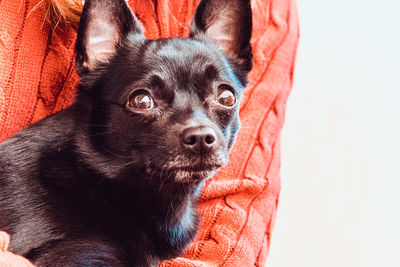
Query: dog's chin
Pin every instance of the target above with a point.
(186, 169)
(184, 175)
(197, 169)
(185, 172)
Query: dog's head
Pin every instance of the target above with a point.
(170, 105)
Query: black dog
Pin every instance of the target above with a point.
(113, 179)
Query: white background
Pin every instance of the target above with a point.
(340, 199)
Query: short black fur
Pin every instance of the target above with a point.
(107, 182)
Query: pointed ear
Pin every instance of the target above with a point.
(103, 25)
(229, 24)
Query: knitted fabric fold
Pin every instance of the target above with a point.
(238, 205)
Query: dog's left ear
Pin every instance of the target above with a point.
(229, 24)
(103, 25)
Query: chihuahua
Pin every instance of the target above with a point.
(113, 179)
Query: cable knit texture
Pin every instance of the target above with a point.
(238, 206)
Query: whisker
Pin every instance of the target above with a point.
(97, 134)
(141, 144)
(131, 162)
(97, 185)
(163, 180)
(120, 156)
(96, 125)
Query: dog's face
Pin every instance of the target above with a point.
(170, 105)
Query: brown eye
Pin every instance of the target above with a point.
(226, 97)
(141, 101)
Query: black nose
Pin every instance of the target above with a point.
(199, 140)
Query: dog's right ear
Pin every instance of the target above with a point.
(103, 25)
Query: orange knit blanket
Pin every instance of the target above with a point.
(238, 206)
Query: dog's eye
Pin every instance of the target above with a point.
(225, 96)
(141, 101)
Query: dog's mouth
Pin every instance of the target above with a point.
(192, 174)
(199, 168)
(184, 167)
(185, 172)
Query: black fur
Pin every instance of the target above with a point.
(103, 184)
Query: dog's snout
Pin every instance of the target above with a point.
(199, 140)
